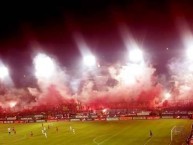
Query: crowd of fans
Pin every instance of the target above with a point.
(69, 111)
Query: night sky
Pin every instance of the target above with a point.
(50, 27)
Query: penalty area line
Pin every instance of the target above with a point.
(108, 138)
(98, 143)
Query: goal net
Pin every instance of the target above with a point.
(177, 134)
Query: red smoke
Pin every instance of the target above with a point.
(119, 86)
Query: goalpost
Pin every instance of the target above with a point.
(177, 132)
(172, 132)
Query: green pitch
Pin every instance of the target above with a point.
(133, 132)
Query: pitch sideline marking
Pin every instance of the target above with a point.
(147, 141)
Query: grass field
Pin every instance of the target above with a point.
(133, 132)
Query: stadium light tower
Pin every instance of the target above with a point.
(89, 60)
(4, 72)
(44, 66)
(136, 55)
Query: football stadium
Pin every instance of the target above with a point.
(124, 132)
(96, 72)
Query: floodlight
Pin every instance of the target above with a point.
(89, 60)
(136, 55)
(4, 72)
(190, 53)
(44, 66)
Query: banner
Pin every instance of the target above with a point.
(19, 121)
(167, 113)
(74, 119)
(81, 116)
(125, 118)
(185, 117)
(140, 118)
(181, 113)
(63, 119)
(190, 112)
(40, 120)
(52, 117)
(31, 121)
(167, 117)
(11, 118)
(131, 114)
(100, 119)
(26, 118)
(93, 116)
(8, 122)
(89, 119)
(38, 116)
(112, 118)
(145, 113)
(153, 117)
